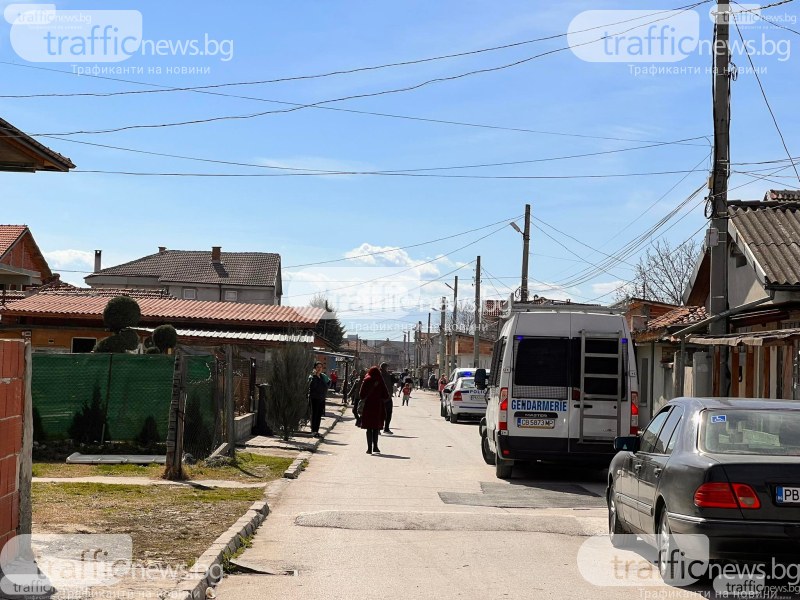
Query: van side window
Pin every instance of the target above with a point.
(497, 361)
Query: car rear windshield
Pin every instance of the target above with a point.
(467, 382)
(751, 431)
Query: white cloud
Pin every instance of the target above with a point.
(63, 259)
(600, 289)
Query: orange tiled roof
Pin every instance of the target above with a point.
(91, 305)
(10, 234)
(680, 317)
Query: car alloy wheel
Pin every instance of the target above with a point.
(670, 560)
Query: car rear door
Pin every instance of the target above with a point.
(652, 465)
(642, 459)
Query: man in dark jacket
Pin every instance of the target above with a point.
(317, 390)
(387, 381)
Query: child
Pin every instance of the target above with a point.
(406, 394)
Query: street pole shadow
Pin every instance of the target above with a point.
(395, 456)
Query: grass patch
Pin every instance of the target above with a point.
(248, 467)
(169, 525)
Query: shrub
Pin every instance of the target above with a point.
(121, 312)
(152, 350)
(89, 423)
(124, 341)
(129, 339)
(165, 338)
(287, 408)
(149, 433)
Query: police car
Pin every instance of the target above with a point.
(465, 401)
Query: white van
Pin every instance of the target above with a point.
(563, 386)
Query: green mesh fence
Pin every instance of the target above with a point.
(121, 397)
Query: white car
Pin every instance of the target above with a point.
(465, 401)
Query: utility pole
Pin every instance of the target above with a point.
(451, 358)
(526, 242)
(442, 367)
(428, 346)
(718, 232)
(477, 350)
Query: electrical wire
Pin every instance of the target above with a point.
(383, 174)
(332, 172)
(336, 72)
(764, 95)
(403, 89)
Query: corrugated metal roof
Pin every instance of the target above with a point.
(91, 306)
(194, 266)
(773, 337)
(772, 234)
(249, 336)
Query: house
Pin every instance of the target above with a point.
(21, 153)
(22, 264)
(72, 321)
(215, 276)
(763, 299)
(656, 349)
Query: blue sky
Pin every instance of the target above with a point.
(309, 219)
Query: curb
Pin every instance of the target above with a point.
(207, 571)
(297, 466)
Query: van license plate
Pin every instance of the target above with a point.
(536, 423)
(787, 495)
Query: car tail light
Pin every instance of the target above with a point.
(576, 394)
(457, 397)
(502, 417)
(746, 496)
(726, 495)
(634, 413)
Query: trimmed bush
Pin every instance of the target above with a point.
(165, 337)
(121, 312)
(152, 350)
(129, 339)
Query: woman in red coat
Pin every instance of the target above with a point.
(373, 395)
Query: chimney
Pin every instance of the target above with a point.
(97, 260)
(162, 249)
(216, 253)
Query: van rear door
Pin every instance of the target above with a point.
(540, 387)
(599, 389)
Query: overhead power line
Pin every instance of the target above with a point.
(764, 95)
(403, 63)
(398, 90)
(384, 174)
(332, 172)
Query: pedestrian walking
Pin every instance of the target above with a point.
(389, 385)
(372, 407)
(442, 384)
(335, 381)
(432, 382)
(317, 391)
(406, 394)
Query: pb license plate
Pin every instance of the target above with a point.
(536, 423)
(787, 495)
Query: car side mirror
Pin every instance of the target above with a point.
(480, 379)
(629, 443)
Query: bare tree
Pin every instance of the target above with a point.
(465, 318)
(663, 273)
(329, 326)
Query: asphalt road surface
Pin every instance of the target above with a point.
(427, 518)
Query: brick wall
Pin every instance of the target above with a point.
(12, 368)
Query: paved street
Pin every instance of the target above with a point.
(426, 519)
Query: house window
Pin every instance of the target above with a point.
(190, 293)
(231, 295)
(82, 344)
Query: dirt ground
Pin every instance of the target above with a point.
(169, 525)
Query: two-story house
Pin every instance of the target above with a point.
(22, 264)
(217, 276)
